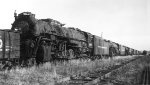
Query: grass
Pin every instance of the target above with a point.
(130, 74)
(49, 73)
(28, 76)
(82, 67)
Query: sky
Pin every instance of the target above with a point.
(123, 21)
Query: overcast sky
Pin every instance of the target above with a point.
(122, 21)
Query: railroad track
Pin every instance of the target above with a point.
(93, 78)
(145, 76)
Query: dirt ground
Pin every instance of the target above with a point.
(128, 75)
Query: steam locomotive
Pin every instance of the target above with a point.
(33, 40)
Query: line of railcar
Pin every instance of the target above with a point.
(42, 40)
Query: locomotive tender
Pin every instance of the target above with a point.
(42, 40)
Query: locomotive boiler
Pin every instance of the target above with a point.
(47, 39)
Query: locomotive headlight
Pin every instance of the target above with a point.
(90, 44)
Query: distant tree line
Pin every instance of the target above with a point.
(145, 52)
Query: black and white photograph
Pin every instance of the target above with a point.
(75, 42)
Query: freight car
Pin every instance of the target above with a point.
(9, 48)
(32, 40)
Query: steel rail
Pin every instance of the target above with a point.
(95, 77)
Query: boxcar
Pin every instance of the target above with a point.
(97, 45)
(122, 50)
(106, 46)
(135, 52)
(127, 50)
(130, 50)
(9, 45)
(101, 46)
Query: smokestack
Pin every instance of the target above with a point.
(15, 15)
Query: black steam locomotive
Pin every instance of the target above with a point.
(43, 40)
